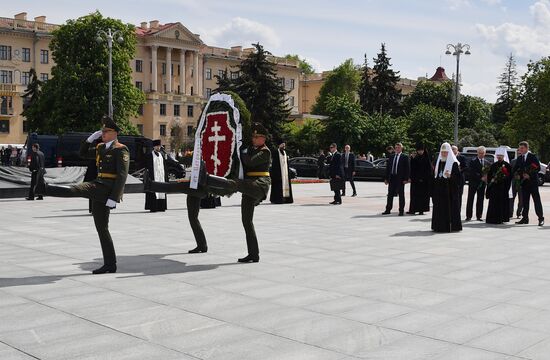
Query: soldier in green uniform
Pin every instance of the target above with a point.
(112, 159)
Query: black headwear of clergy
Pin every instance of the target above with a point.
(420, 146)
(156, 142)
(109, 123)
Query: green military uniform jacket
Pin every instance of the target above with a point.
(256, 163)
(112, 166)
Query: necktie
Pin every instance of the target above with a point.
(347, 159)
(395, 164)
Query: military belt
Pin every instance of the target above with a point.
(106, 176)
(257, 173)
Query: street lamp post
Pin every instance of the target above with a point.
(109, 35)
(457, 50)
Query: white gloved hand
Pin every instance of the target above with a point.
(94, 137)
(111, 204)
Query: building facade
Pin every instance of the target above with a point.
(172, 66)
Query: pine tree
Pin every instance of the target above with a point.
(365, 88)
(263, 93)
(30, 97)
(508, 82)
(386, 97)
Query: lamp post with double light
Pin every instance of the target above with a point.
(457, 50)
(109, 35)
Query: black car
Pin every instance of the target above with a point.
(366, 170)
(306, 167)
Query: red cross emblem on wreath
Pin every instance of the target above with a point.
(218, 143)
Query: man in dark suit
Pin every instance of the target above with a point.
(336, 173)
(526, 171)
(36, 167)
(397, 175)
(349, 169)
(477, 182)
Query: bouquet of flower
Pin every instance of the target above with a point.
(484, 172)
(532, 171)
(500, 175)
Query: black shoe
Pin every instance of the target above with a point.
(386, 212)
(421, 213)
(335, 203)
(40, 198)
(354, 195)
(29, 198)
(249, 259)
(541, 222)
(197, 250)
(105, 269)
(343, 194)
(479, 219)
(468, 219)
(523, 221)
(401, 213)
(410, 213)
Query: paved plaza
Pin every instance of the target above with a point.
(333, 282)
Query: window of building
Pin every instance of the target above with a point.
(190, 130)
(291, 101)
(44, 56)
(192, 92)
(221, 73)
(179, 89)
(140, 110)
(5, 52)
(140, 128)
(25, 126)
(4, 126)
(189, 110)
(165, 88)
(163, 109)
(150, 67)
(26, 55)
(179, 69)
(163, 68)
(139, 85)
(171, 69)
(162, 130)
(139, 65)
(208, 92)
(234, 75)
(282, 81)
(292, 84)
(176, 110)
(44, 77)
(6, 105)
(6, 77)
(25, 77)
(208, 74)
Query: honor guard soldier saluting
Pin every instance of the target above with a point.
(112, 159)
(256, 160)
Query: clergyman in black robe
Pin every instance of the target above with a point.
(446, 192)
(281, 187)
(499, 180)
(156, 166)
(421, 181)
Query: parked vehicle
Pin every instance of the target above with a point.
(306, 166)
(48, 145)
(366, 170)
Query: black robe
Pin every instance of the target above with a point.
(151, 202)
(276, 196)
(498, 211)
(421, 183)
(445, 197)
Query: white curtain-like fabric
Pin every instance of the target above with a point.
(197, 151)
(451, 159)
(158, 168)
(283, 160)
(502, 151)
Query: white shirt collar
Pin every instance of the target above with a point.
(108, 145)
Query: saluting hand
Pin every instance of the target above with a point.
(94, 136)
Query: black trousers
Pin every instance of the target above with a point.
(519, 195)
(248, 204)
(349, 177)
(34, 175)
(527, 193)
(396, 186)
(193, 208)
(475, 189)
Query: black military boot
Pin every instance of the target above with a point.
(249, 259)
(198, 250)
(105, 269)
(218, 182)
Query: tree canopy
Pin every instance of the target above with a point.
(342, 81)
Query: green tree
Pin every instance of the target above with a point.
(366, 91)
(346, 123)
(386, 97)
(430, 93)
(471, 137)
(30, 97)
(342, 81)
(76, 97)
(530, 118)
(430, 125)
(475, 113)
(305, 138)
(263, 93)
(507, 88)
(382, 130)
(305, 67)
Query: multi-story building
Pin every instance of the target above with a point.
(172, 66)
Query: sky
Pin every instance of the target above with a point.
(326, 33)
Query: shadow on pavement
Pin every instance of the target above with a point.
(414, 233)
(480, 225)
(132, 265)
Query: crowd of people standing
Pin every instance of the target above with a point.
(13, 156)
